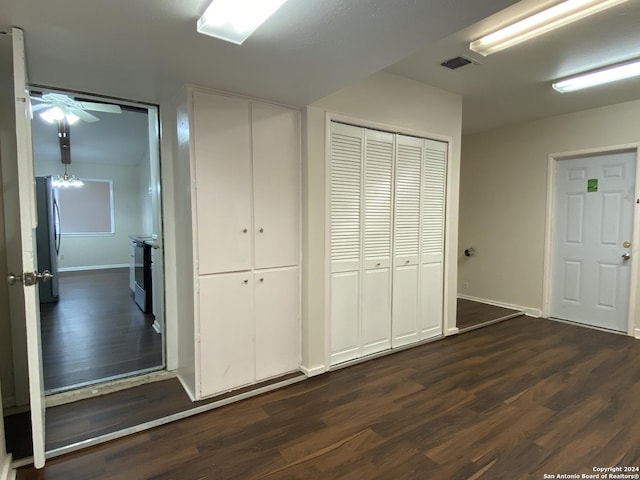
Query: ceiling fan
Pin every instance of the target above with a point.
(57, 106)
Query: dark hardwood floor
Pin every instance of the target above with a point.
(95, 330)
(473, 314)
(513, 400)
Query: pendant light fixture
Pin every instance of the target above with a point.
(66, 180)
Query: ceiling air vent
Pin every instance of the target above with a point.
(456, 62)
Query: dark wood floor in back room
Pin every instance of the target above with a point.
(95, 330)
(514, 400)
(472, 314)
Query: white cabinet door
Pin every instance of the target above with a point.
(376, 288)
(431, 300)
(345, 317)
(222, 173)
(405, 305)
(345, 196)
(434, 179)
(376, 311)
(276, 322)
(226, 332)
(406, 239)
(276, 180)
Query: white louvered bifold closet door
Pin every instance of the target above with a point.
(345, 240)
(406, 239)
(433, 214)
(378, 214)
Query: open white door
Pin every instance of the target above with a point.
(18, 184)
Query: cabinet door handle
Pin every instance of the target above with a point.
(407, 262)
(261, 230)
(245, 281)
(244, 230)
(262, 280)
(378, 264)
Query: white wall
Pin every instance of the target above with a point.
(109, 249)
(503, 197)
(386, 99)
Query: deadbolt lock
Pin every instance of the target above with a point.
(626, 244)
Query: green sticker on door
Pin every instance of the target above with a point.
(592, 185)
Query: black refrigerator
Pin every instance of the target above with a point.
(47, 237)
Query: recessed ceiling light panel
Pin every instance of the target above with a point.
(542, 22)
(234, 20)
(599, 77)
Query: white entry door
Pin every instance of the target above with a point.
(18, 180)
(592, 235)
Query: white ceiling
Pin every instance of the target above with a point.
(145, 50)
(515, 85)
(117, 139)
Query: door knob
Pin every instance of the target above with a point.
(29, 278)
(44, 276)
(626, 256)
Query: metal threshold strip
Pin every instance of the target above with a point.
(586, 325)
(491, 322)
(56, 452)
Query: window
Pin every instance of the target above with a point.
(87, 210)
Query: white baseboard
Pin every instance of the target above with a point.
(6, 472)
(93, 267)
(452, 331)
(313, 371)
(191, 394)
(528, 311)
(637, 333)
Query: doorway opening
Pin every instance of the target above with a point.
(96, 163)
(592, 237)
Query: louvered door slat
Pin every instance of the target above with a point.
(345, 196)
(378, 172)
(407, 196)
(433, 200)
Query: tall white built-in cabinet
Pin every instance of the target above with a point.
(245, 176)
(387, 213)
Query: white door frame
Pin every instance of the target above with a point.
(632, 328)
(449, 266)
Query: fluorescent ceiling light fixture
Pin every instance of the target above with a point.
(598, 77)
(542, 22)
(234, 20)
